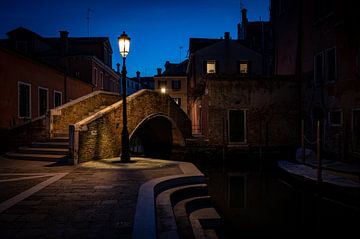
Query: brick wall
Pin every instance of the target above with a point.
(100, 136)
(268, 102)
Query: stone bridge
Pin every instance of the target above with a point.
(155, 124)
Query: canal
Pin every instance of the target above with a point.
(254, 197)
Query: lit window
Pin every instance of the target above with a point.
(244, 68)
(163, 90)
(211, 67)
(335, 118)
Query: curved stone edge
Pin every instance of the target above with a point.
(145, 215)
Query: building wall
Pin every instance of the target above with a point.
(324, 25)
(181, 93)
(270, 105)
(227, 54)
(15, 68)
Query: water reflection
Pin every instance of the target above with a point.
(255, 198)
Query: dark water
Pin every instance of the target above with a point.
(255, 198)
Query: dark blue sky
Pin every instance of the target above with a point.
(157, 27)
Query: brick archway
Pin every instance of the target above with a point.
(99, 136)
(155, 136)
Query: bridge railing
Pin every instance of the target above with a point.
(74, 111)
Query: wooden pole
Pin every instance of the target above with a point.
(318, 156)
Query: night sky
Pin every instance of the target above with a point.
(158, 28)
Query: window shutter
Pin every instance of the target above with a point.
(217, 67)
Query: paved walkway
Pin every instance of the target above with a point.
(94, 200)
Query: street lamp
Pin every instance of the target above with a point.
(124, 46)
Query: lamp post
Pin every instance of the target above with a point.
(124, 46)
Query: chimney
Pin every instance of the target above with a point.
(64, 39)
(167, 65)
(158, 71)
(244, 15)
(243, 23)
(118, 68)
(138, 75)
(227, 36)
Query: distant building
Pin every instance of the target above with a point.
(213, 57)
(28, 88)
(173, 81)
(231, 102)
(258, 35)
(137, 83)
(85, 58)
(319, 43)
(40, 73)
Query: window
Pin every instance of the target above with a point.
(95, 77)
(101, 80)
(237, 126)
(43, 100)
(161, 84)
(211, 67)
(336, 118)
(244, 68)
(318, 68)
(176, 85)
(330, 61)
(57, 98)
(177, 101)
(24, 100)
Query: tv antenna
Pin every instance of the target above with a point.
(180, 47)
(241, 5)
(89, 11)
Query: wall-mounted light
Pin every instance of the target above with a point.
(163, 90)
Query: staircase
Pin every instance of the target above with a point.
(54, 150)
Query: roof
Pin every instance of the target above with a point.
(175, 69)
(199, 43)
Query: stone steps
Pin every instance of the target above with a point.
(36, 150)
(54, 150)
(35, 157)
(186, 211)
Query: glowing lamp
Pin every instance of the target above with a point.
(124, 44)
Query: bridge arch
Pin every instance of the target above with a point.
(150, 113)
(155, 136)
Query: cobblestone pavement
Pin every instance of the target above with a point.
(93, 200)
